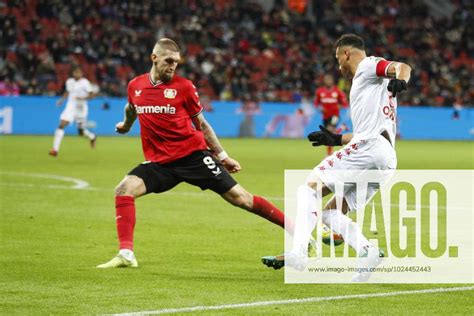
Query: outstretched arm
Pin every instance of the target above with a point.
(129, 117)
(212, 141)
(328, 138)
(214, 144)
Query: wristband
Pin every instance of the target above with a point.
(222, 155)
(338, 139)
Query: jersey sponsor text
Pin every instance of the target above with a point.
(156, 109)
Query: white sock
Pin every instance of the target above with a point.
(350, 231)
(306, 219)
(58, 137)
(127, 254)
(89, 134)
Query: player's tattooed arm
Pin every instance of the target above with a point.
(130, 114)
(129, 118)
(214, 144)
(212, 141)
(203, 125)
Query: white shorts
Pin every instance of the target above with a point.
(75, 112)
(358, 156)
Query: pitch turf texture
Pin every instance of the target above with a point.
(193, 248)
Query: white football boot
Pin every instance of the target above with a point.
(119, 262)
(367, 262)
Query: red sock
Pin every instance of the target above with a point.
(125, 219)
(329, 150)
(267, 210)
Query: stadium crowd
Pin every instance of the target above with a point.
(233, 49)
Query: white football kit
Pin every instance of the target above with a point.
(373, 112)
(76, 110)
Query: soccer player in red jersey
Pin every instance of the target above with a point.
(179, 146)
(330, 98)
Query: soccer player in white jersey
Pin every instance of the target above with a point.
(371, 146)
(78, 91)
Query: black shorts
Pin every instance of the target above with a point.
(331, 121)
(199, 169)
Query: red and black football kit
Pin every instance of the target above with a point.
(175, 151)
(329, 100)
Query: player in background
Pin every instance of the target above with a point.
(179, 146)
(371, 146)
(78, 91)
(330, 99)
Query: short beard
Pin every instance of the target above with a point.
(347, 75)
(164, 77)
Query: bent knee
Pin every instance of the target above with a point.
(122, 189)
(130, 185)
(332, 205)
(324, 188)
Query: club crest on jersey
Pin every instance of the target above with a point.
(170, 93)
(138, 93)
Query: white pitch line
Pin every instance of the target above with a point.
(84, 185)
(294, 301)
(78, 184)
(179, 193)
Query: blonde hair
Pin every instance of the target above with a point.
(165, 44)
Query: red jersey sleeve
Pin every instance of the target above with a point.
(342, 98)
(382, 68)
(193, 106)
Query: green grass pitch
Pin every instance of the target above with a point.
(193, 248)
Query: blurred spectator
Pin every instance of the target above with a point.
(233, 48)
(9, 88)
